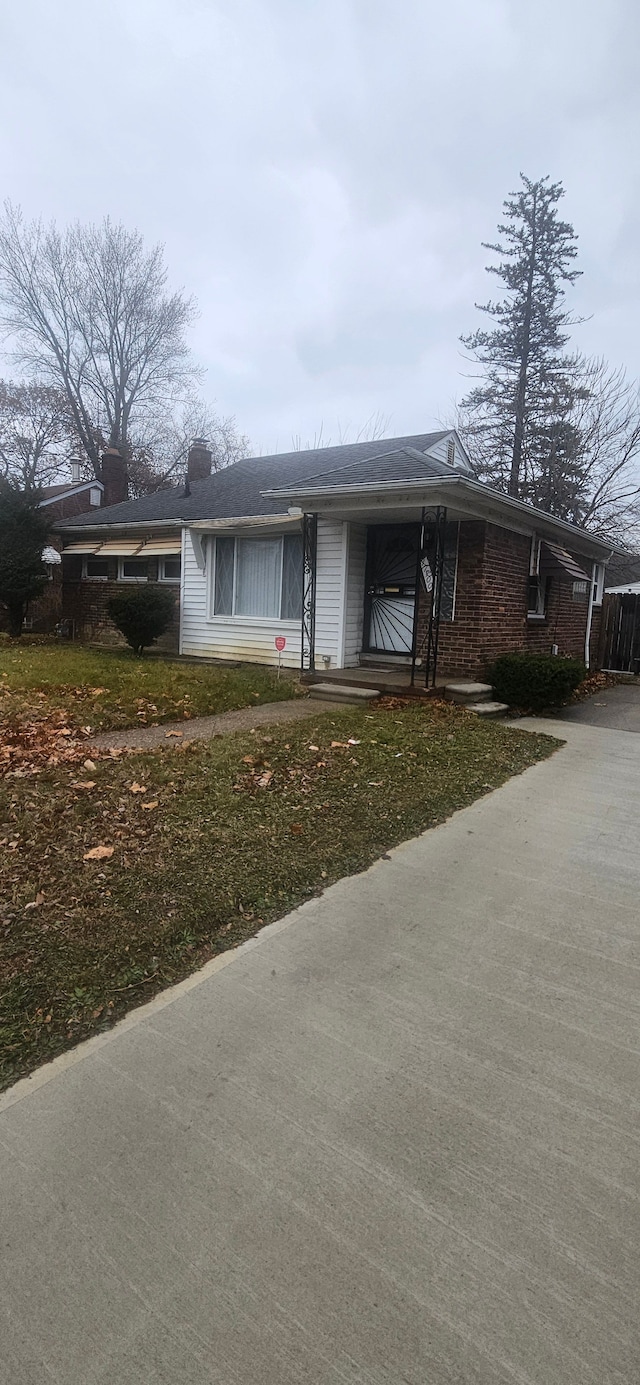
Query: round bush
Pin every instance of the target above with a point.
(142, 614)
(535, 681)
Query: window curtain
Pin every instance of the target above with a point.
(258, 577)
(292, 577)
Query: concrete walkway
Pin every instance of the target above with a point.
(393, 1139)
(204, 728)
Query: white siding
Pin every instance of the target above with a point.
(240, 637)
(440, 452)
(330, 587)
(354, 616)
(227, 637)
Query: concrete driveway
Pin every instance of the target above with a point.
(617, 709)
(395, 1139)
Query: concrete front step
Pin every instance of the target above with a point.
(343, 692)
(487, 709)
(467, 692)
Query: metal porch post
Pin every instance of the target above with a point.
(434, 560)
(309, 562)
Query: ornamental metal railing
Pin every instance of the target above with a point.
(309, 565)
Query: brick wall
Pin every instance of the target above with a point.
(491, 605)
(85, 603)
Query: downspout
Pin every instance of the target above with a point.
(587, 637)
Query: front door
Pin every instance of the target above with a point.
(390, 588)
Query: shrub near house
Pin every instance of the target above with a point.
(142, 614)
(535, 681)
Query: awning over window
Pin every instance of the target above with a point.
(119, 548)
(86, 546)
(160, 548)
(564, 560)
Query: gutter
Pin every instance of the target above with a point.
(66, 530)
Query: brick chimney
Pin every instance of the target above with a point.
(199, 460)
(114, 477)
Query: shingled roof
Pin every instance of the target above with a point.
(238, 490)
(400, 464)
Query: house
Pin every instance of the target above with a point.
(61, 501)
(388, 552)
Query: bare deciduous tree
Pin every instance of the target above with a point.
(605, 437)
(158, 455)
(36, 434)
(90, 314)
(371, 430)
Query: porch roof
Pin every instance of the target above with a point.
(347, 495)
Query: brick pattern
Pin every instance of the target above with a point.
(85, 603)
(491, 606)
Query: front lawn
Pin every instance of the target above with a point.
(195, 849)
(110, 689)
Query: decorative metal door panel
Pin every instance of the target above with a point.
(392, 556)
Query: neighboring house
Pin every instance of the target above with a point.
(386, 552)
(61, 502)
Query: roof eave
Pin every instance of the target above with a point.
(493, 499)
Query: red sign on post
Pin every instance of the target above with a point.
(280, 643)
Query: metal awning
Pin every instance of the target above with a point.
(119, 548)
(276, 522)
(160, 548)
(85, 546)
(566, 562)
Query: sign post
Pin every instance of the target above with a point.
(280, 643)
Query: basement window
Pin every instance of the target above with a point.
(169, 569)
(95, 569)
(133, 570)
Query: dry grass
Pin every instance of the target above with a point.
(111, 689)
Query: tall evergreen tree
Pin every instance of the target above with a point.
(24, 528)
(516, 418)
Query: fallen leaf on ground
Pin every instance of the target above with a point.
(314, 747)
(148, 806)
(137, 788)
(296, 828)
(265, 779)
(83, 784)
(173, 733)
(99, 853)
(338, 745)
(352, 741)
(89, 764)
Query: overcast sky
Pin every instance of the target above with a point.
(322, 174)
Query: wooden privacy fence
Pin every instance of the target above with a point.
(620, 632)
